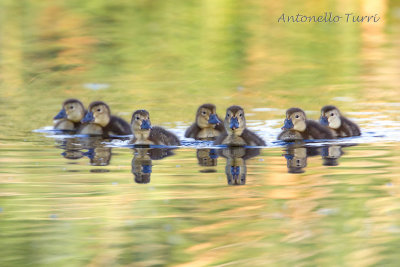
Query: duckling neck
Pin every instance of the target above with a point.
(204, 125)
(104, 122)
(234, 138)
(237, 132)
(142, 136)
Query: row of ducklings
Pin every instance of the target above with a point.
(97, 120)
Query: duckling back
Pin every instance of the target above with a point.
(160, 136)
(117, 126)
(314, 130)
(65, 125)
(348, 128)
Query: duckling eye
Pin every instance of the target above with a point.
(227, 114)
(240, 115)
(297, 116)
(98, 110)
(71, 107)
(332, 114)
(137, 118)
(204, 113)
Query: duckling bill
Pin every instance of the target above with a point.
(145, 134)
(236, 132)
(99, 121)
(297, 125)
(207, 125)
(340, 125)
(70, 115)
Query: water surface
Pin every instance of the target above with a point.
(70, 201)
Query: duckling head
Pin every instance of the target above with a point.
(295, 120)
(330, 116)
(140, 121)
(72, 109)
(98, 113)
(206, 116)
(235, 121)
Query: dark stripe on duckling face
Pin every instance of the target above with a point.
(88, 118)
(214, 119)
(61, 115)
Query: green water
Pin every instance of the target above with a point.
(69, 202)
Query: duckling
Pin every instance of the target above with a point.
(70, 115)
(236, 132)
(340, 125)
(296, 122)
(290, 136)
(207, 126)
(145, 134)
(100, 121)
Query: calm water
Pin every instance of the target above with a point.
(70, 201)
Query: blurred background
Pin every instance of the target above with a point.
(169, 57)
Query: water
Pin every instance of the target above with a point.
(73, 201)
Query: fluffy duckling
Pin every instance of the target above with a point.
(145, 134)
(70, 115)
(100, 121)
(207, 126)
(236, 132)
(340, 125)
(296, 122)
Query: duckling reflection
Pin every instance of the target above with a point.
(235, 168)
(98, 153)
(207, 158)
(142, 162)
(72, 148)
(331, 154)
(296, 157)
